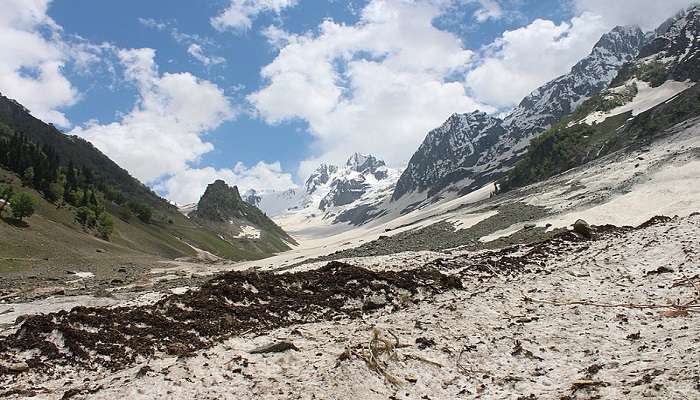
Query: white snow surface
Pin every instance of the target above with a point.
(612, 352)
(646, 98)
(249, 232)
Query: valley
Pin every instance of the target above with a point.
(550, 252)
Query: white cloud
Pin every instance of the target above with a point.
(32, 62)
(490, 9)
(197, 46)
(647, 14)
(187, 186)
(162, 134)
(240, 13)
(377, 86)
(523, 59)
(197, 52)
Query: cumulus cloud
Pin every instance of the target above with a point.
(187, 186)
(523, 59)
(377, 86)
(647, 14)
(162, 134)
(32, 59)
(239, 14)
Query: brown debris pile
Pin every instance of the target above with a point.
(232, 304)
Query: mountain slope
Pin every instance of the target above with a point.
(475, 148)
(650, 95)
(167, 234)
(244, 226)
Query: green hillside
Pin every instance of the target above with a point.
(75, 187)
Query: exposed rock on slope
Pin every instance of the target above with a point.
(473, 149)
(448, 151)
(643, 102)
(222, 209)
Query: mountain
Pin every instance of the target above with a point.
(276, 202)
(351, 193)
(470, 150)
(651, 94)
(222, 210)
(145, 225)
(444, 154)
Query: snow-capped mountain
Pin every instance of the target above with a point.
(676, 47)
(649, 96)
(446, 150)
(334, 193)
(470, 150)
(276, 202)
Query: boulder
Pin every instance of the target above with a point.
(582, 228)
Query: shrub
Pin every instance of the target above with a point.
(105, 226)
(86, 217)
(23, 205)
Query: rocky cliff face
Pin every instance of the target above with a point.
(676, 47)
(470, 150)
(222, 209)
(320, 177)
(447, 151)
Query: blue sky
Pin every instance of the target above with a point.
(182, 92)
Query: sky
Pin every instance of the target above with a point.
(260, 92)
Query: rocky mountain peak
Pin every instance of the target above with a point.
(220, 202)
(469, 150)
(251, 196)
(675, 52)
(320, 177)
(437, 162)
(367, 163)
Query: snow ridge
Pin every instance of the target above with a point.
(473, 149)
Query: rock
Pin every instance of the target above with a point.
(278, 347)
(661, 270)
(582, 228)
(529, 226)
(99, 250)
(18, 367)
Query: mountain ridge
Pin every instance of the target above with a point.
(545, 105)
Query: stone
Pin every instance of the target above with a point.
(582, 228)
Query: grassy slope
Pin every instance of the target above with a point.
(52, 238)
(168, 234)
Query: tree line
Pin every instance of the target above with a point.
(40, 168)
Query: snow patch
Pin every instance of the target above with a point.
(647, 98)
(249, 232)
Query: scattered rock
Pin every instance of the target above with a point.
(18, 367)
(424, 343)
(661, 270)
(278, 347)
(582, 228)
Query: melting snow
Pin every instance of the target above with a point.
(647, 98)
(249, 232)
